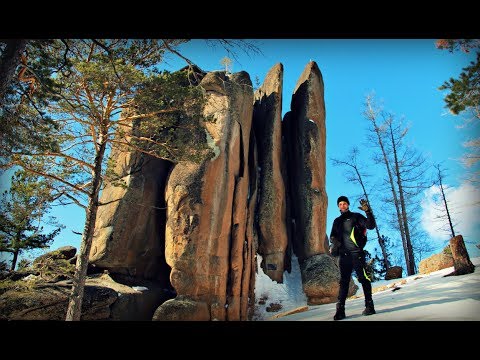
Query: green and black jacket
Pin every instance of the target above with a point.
(349, 232)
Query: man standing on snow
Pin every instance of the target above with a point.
(348, 238)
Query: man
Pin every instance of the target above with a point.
(348, 238)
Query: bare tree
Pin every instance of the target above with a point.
(421, 243)
(227, 62)
(406, 169)
(371, 113)
(410, 174)
(232, 46)
(398, 165)
(355, 174)
(444, 204)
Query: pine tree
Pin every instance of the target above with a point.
(25, 125)
(107, 93)
(464, 90)
(370, 266)
(11, 52)
(23, 207)
(464, 96)
(111, 96)
(379, 267)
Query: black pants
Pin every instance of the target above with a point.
(348, 263)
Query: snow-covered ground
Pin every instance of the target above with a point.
(417, 297)
(289, 295)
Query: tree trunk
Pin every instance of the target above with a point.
(410, 262)
(445, 202)
(74, 310)
(380, 240)
(461, 261)
(394, 193)
(14, 261)
(378, 132)
(9, 62)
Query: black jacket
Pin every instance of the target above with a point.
(349, 232)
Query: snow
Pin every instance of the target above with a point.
(289, 295)
(139, 288)
(428, 297)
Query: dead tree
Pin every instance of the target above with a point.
(445, 203)
(405, 168)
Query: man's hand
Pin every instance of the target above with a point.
(364, 205)
(334, 246)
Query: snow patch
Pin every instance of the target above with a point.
(139, 288)
(289, 295)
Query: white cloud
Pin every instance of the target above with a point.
(463, 207)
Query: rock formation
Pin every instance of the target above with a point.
(436, 262)
(130, 228)
(262, 192)
(180, 241)
(304, 131)
(271, 209)
(207, 246)
(41, 291)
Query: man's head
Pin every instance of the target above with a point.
(343, 203)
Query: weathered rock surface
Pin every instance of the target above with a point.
(436, 262)
(179, 241)
(320, 277)
(207, 245)
(394, 272)
(271, 209)
(304, 131)
(41, 293)
(130, 228)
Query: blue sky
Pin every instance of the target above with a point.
(403, 74)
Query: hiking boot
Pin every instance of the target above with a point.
(369, 308)
(340, 314)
